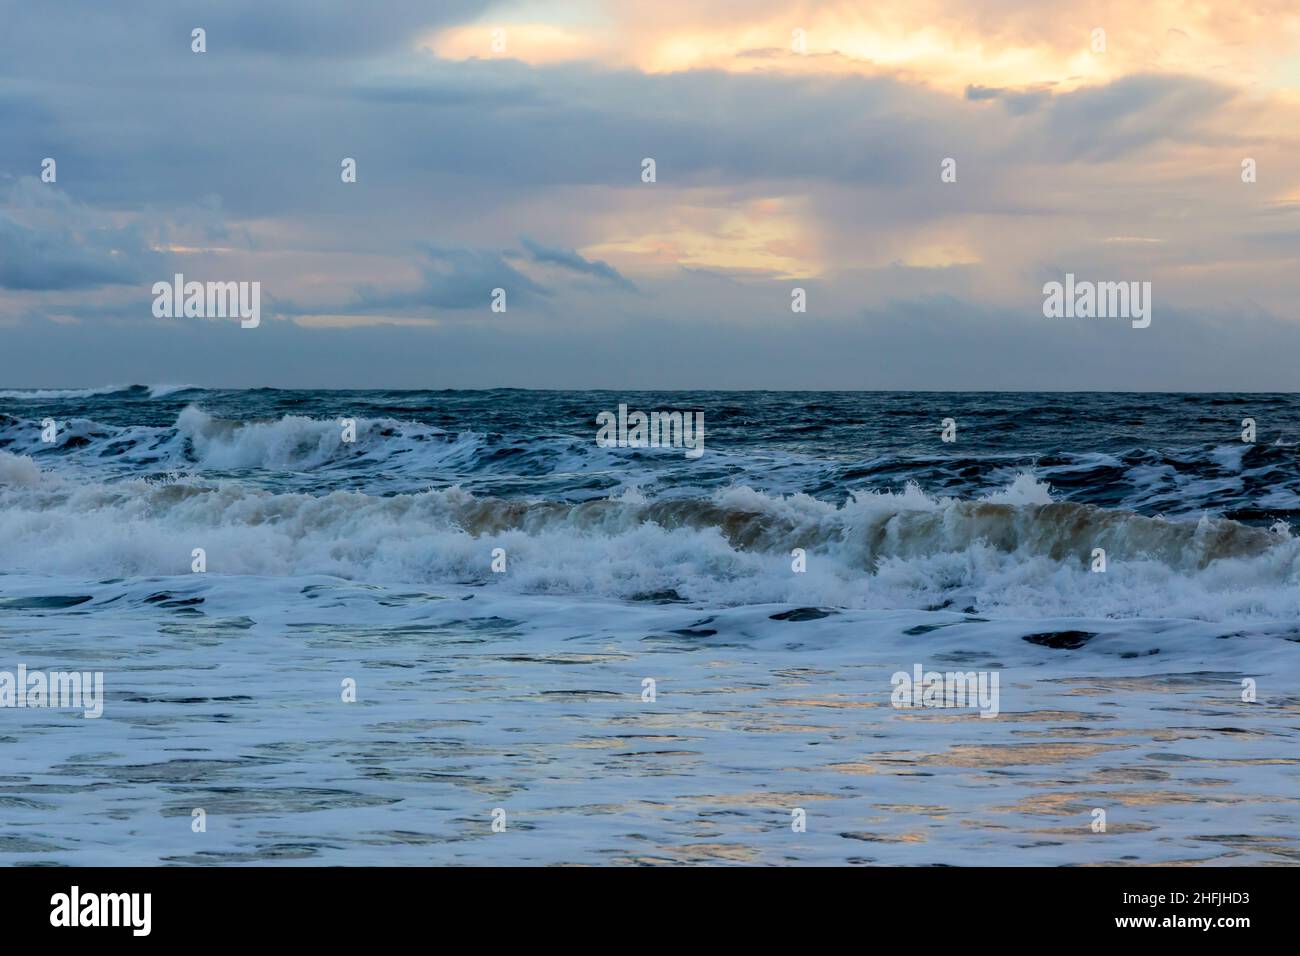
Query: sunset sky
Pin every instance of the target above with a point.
(796, 145)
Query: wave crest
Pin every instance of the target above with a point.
(1016, 549)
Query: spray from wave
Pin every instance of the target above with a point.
(53, 394)
(58, 394)
(1015, 552)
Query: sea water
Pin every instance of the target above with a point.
(474, 634)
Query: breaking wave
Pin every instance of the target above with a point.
(1016, 551)
(1253, 484)
(52, 394)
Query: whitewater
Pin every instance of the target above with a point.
(499, 589)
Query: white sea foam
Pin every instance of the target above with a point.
(162, 391)
(1015, 552)
(50, 394)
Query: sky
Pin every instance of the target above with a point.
(795, 146)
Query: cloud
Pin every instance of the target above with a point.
(1017, 102)
(460, 279)
(1107, 122)
(930, 343)
(821, 171)
(74, 31)
(944, 44)
(568, 259)
(47, 242)
(451, 278)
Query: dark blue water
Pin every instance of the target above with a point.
(1155, 454)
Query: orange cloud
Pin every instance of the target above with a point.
(772, 236)
(948, 44)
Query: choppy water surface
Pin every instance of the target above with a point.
(524, 690)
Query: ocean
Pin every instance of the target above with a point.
(473, 635)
